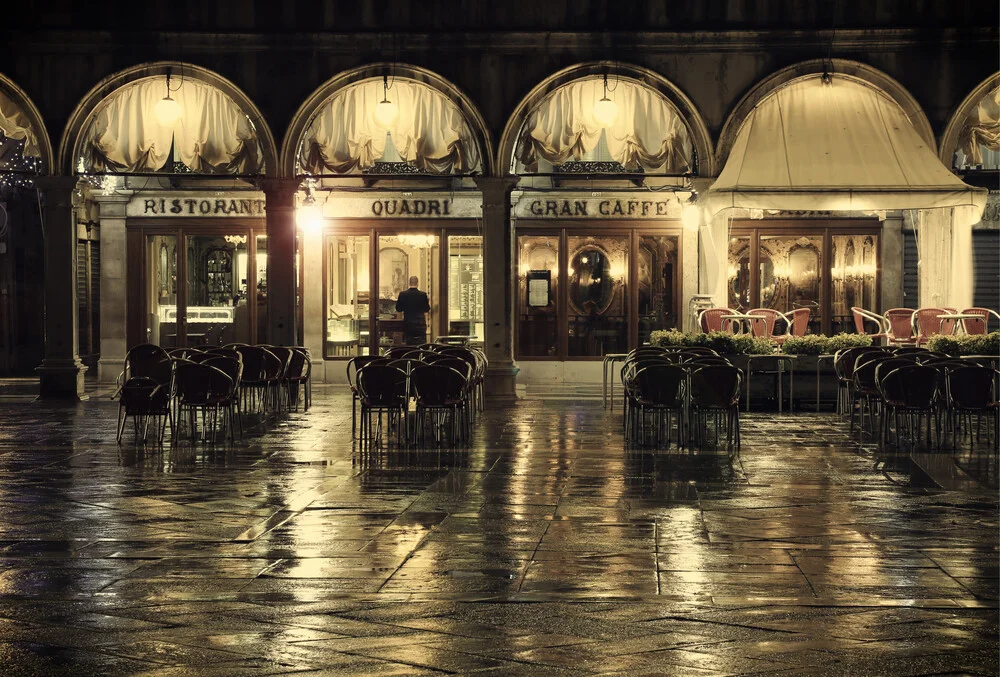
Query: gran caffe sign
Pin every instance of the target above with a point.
(599, 206)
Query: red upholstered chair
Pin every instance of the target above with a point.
(899, 325)
(765, 326)
(798, 321)
(981, 324)
(711, 320)
(928, 323)
(860, 315)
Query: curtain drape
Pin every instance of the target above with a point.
(982, 129)
(647, 130)
(15, 125)
(211, 136)
(430, 131)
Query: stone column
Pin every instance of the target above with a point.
(892, 263)
(313, 315)
(498, 243)
(114, 286)
(61, 372)
(279, 197)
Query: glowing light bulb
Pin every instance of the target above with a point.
(309, 217)
(689, 216)
(386, 112)
(605, 111)
(167, 111)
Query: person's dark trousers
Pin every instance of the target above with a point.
(415, 335)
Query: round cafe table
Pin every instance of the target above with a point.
(738, 319)
(959, 319)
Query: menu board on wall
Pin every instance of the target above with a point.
(465, 288)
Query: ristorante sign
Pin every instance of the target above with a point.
(532, 207)
(196, 205)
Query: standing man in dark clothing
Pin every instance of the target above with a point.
(413, 303)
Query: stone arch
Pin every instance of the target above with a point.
(949, 140)
(312, 105)
(700, 137)
(71, 138)
(867, 74)
(27, 107)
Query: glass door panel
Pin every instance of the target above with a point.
(657, 284)
(853, 270)
(406, 261)
(260, 284)
(790, 275)
(161, 291)
(738, 277)
(538, 294)
(215, 308)
(347, 293)
(597, 309)
(465, 286)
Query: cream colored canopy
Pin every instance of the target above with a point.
(212, 135)
(647, 131)
(15, 125)
(430, 131)
(846, 146)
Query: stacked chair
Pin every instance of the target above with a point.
(209, 390)
(416, 395)
(690, 394)
(906, 398)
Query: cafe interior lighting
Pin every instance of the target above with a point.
(605, 110)
(167, 109)
(309, 215)
(386, 111)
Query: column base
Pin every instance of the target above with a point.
(61, 380)
(108, 370)
(501, 380)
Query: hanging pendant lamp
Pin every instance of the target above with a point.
(605, 110)
(386, 111)
(167, 110)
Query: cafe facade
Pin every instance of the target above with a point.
(552, 230)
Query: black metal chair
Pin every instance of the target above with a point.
(658, 390)
(715, 393)
(972, 392)
(909, 393)
(208, 390)
(442, 393)
(382, 390)
(144, 399)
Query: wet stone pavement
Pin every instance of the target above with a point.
(545, 548)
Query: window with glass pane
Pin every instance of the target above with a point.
(538, 293)
(853, 270)
(400, 259)
(347, 289)
(161, 290)
(261, 291)
(790, 275)
(465, 286)
(216, 310)
(597, 309)
(657, 282)
(738, 276)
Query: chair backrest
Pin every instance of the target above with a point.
(716, 386)
(380, 385)
(929, 355)
(660, 384)
(697, 350)
(231, 366)
(299, 366)
(457, 363)
(144, 395)
(928, 323)
(861, 315)
(865, 372)
(883, 367)
(981, 323)
(140, 360)
(357, 362)
(844, 360)
(973, 387)
(199, 383)
(899, 324)
(438, 385)
(798, 321)
(275, 363)
(912, 386)
(253, 363)
(284, 355)
(764, 327)
(711, 319)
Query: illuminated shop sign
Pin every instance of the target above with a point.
(195, 206)
(596, 208)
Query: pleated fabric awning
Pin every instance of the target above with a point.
(847, 146)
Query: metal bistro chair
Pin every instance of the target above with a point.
(981, 323)
(299, 375)
(909, 393)
(354, 365)
(899, 326)
(861, 316)
(659, 390)
(143, 399)
(206, 389)
(382, 390)
(442, 392)
(972, 391)
(715, 393)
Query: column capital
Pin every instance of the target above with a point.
(279, 192)
(112, 198)
(496, 188)
(56, 189)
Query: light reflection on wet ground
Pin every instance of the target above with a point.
(543, 548)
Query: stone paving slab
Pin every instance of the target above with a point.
(544, 548)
